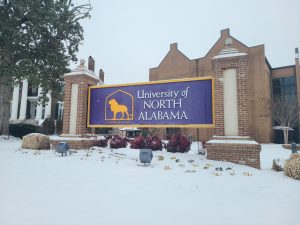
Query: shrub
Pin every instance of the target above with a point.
(138, 143)
(172, 144)
(292, 167)
(59, 126)
(278, 164)
(151, 142)
(101, 143)
(36, 141)
(48, 126)
(22, 129)
(178, 143)
(184, 144)
(117, 142)
(154, 143)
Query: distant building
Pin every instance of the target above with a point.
(25, 107)
(262, 82)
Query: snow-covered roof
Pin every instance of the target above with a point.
(228, 51)
(82, 70)
(225, 55)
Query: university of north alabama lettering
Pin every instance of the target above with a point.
(164, 109)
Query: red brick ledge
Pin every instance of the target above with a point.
(241, 151)
(75, 142)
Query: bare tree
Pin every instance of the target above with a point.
(285, 113)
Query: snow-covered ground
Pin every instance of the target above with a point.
(110, 187)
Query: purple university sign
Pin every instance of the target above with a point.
(175, 103)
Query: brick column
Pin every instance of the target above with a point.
(240, 64)
(241, 149)
(67, 104)
(84, 78)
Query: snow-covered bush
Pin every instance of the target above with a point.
(292, 167)
(172, 144)
(101, 143)
(118, 142)
(154, 143)
(278, 164)
(151, 142)
(36, 141)
(138, 142)
(178, 143)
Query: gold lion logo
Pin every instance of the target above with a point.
(115, 107)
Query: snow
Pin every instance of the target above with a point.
(130, 129)
(35, 134)
(230, 137)
(283, 128)
(74, 138)
(229, 55)
(104, 186)
(82, 70)
(229, 52)
(242, 142)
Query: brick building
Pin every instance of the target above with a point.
(254, 79)
(25, 107)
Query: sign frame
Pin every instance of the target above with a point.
(155, 125)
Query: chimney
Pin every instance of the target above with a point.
(101, 75)
(297, 56)
(91, 64)
(173, 46)
(225, 32)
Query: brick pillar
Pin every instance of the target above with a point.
(67, 104)
(242, 150)
(219, 64)
(84, 78)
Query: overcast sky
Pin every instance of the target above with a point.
(127, 37)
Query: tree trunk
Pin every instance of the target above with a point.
(286, 136)
(5, 100)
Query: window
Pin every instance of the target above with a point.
(59, 111)
(284, 86)
(171, 131)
